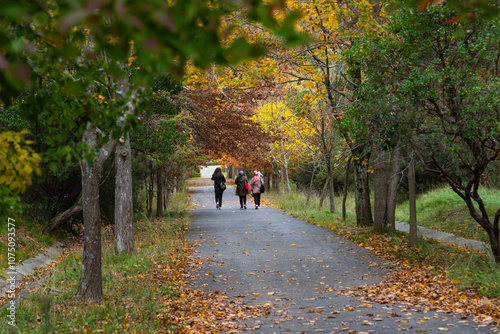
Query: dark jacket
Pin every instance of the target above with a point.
(217, 183)
(240, 185)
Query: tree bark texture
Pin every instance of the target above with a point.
(379, 190)
(150, 193)
(344, 213)
(412, 199)
(230, 172)
(323, 193)
(362, 194)
(385, 188)
(392, 186)
(159, 192)
(90, 287)
(124, 212)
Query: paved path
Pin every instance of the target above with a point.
(266, 256)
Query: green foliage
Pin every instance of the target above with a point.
(465, 9)
(434, 83)
(176, 33)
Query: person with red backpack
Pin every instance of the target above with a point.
(242, 189)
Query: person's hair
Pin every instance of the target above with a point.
(217, 172)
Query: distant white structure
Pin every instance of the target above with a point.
(207, 171)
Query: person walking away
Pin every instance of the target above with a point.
(255, 185)
(219, 186)
(241, 189)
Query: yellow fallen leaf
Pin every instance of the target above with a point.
(293, 245)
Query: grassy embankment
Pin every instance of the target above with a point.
(440, 209)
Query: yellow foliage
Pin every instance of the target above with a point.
(17, 161)
(295, 133)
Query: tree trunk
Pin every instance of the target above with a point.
(323, 193)
(332, 194)
(495, 238)
(90, 287)
(268, 179)
(311, 185)
(124, 212)
(380, 189)
(159, 192)
(275, 179)
(362, 194)
(392, 186)
(412, 203)
(150, 191)
(344, 213)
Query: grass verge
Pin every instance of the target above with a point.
(29, 240)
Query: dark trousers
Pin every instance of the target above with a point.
(243, 201)
(218, 198)
(256, 199)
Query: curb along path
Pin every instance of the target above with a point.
(28, 267)
(448, 238)
(267, 257)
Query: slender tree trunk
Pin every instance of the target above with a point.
(150, 191)
(392, 186)
(495, 237)
(311, 185)
(275, 178)
(124, 211)
(268, 179)
(331, 189)
(346, 179)
(159, 192)
(362, 194)
(332, 194)
(412, 202)
(380, 189)
(323, 193)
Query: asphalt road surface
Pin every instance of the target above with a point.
(265, 256)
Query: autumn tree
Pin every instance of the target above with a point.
(292, 132)
(441, 78)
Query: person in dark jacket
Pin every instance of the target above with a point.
(241, 189)
(218, 179)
